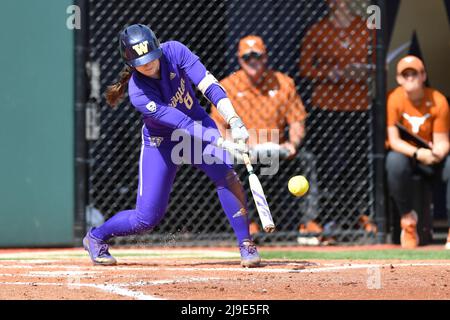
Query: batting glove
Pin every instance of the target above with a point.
(235, 149)
(238, 130)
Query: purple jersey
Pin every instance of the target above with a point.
(169, 103)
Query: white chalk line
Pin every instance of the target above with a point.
(28, 261)
(174, 281)
(139, 283)
(238, 269)
(134, 254)
(226, 269)
(117, 288)
(109, 288)
(27, 275)
(63, 273)
(121, 288)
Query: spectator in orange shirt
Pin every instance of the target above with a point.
(336, 61)
(335, 57)
(425, 112)
(264, 98)
(268, 103)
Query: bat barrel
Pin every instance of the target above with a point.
(259, 197)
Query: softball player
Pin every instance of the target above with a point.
(159, 78)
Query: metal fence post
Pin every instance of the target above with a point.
(81, 98)
(379, 125)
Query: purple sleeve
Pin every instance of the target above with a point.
(196, 71)
(215, 93)
(170, 117)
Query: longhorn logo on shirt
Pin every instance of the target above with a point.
(416, 122)
(141, 48)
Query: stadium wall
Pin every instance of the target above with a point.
(36, 124)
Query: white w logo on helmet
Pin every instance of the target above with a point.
(141, 48)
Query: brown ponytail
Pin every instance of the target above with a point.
(115, 93)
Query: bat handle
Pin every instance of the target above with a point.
(247, 163)
(246, 158)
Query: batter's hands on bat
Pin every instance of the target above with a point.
(235, 149)
(238, 130)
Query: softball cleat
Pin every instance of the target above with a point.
(249, 255)
(98, 250)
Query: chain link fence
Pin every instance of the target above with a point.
(334, 156)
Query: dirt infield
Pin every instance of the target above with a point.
(203, 274)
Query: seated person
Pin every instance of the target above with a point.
(268, 104)
(424, 112)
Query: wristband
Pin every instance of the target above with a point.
(237, 123)
(226, 109)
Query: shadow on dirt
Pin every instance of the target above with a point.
(291, 264)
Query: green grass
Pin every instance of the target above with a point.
(360, 255)
(339, 255)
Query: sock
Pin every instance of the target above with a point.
(124, 223)
(236, 212)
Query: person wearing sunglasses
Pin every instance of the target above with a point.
(424, 112)
(265, 99)
(269, 106)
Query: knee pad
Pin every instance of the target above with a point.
(229, 179)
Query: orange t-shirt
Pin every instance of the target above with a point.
(431, 116)
(326, 47)
(273, 104)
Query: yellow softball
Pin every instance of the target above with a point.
(298, 185)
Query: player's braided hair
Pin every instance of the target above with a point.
(115, 93)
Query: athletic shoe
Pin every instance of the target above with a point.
(313, 234)
(409, 238)
(311, 227)
(367, 224)
(447, 245)
(249, 255)
(98, 250)
(254, 228)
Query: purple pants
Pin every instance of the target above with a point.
(157, 172)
